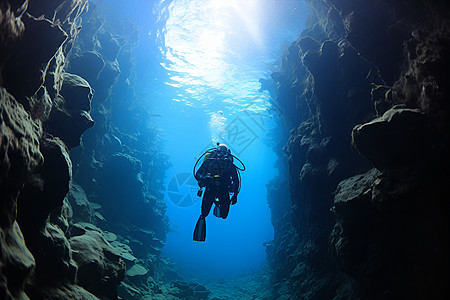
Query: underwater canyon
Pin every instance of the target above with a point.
(360, 205)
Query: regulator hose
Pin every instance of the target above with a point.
(243, 166)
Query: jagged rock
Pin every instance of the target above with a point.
(43, 193)
(23, 73)
(374, 30)
(87, 65)
(81, 228)
(107, 78)
(424, 82)
(71, 118)
(19, 153)
(379, 95)
(47, 187)
(100, 268)
(124, 251)
(99, 217)
(65, 292)
(200, 292)
(353, 208)
(398, 139)
(16, 263)
(109, 236)
(95, 205)
(64, 13)
(82, 208)
(109, 45)
(77, 93)
(190, 290)
(54, 266)
(378, 217)
(113, 143)
(62, 216)
(350, 189)
(185, 291)
(136, 270)
(11, 28)
(127, 291)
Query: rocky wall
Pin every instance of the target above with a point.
(36, 257)
(363, 93)
(70, 227)
(119, 169)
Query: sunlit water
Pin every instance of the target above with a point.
(198, 67)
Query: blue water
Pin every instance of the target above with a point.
(198, 67)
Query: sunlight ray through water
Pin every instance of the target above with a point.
(215, 52)
(220, 47)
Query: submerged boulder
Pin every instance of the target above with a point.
(82, 209)
(399, 138)
(100, 268)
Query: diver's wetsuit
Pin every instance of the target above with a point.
(220, 177)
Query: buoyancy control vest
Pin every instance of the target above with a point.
(217, 163)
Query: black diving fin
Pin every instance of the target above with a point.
(200, 230)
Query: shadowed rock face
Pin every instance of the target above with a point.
(364, 87)
(20, 136)
(35, 167)
(400, 138)
(119, 171)
(71, 118)
(45, 109)
(23, 73)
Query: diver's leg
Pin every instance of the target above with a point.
(207, 202)
(224, 203)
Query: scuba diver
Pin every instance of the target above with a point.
(220, 177)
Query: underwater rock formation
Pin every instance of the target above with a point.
(100, 267)
(366, 76)
(118, 168)
(50, 246)
(71, 118)
(36, 168)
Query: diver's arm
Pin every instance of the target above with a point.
(199, 173)
(202, 175)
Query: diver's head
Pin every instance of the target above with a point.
(222, 147)
(223, 150)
